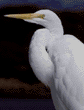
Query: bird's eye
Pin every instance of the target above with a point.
(41, 16)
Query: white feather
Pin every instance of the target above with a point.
(61, 67)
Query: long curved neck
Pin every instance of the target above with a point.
(54, 25)
(56, 28)
(39, 58)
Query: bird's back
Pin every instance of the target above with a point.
(68, 80)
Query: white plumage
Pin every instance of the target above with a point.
(58, 61)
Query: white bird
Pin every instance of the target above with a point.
(57, 60)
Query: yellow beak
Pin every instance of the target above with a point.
(26, 16)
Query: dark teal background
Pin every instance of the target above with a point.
(53, 4)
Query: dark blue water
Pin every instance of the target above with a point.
(26, 104)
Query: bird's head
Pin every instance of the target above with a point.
(44, 17)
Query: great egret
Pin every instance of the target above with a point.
(57, 60)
